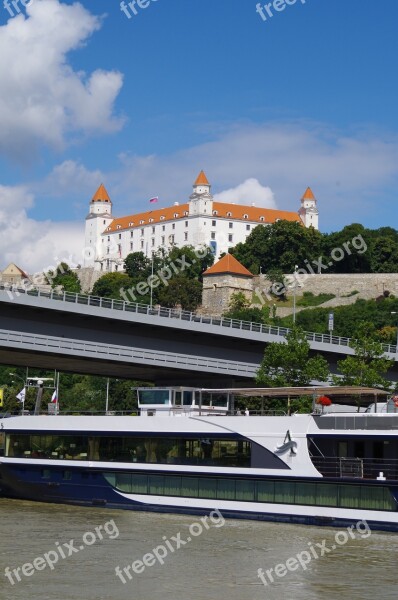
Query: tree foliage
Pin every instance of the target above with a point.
(369, 365)
(65, 278)
(354, 249)
(289, 364)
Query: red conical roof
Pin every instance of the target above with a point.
(101, 195)
(202, 179)
(228, 264)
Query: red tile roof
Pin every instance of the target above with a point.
(101, 195)
(237, 212)
(308, 194)
(202, 179)
(228, 264)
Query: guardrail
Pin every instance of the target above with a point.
(43, 343)
(182, 315)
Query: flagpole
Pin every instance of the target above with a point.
(57, 388)
(152, 281)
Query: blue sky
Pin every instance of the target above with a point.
(307, 97)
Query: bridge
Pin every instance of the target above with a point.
(100, 336)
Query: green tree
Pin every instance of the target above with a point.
(65, 278)
(280, 246)
(181, 291)
(111, 285)
(240, 309)
(368, 366)
(137, 266)
(289, 364)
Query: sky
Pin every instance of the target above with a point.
(307, 96)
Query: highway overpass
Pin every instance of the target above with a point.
(87, 334)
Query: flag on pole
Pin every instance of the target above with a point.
(155, 199)
(1, 397)
(21, 395)
(54, 397)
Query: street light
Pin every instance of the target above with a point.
(294, 294)
(394, 312)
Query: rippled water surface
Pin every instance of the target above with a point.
(219, 564)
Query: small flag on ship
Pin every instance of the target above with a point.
(54, 397)
(21, 395)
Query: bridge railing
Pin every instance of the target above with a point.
(174, 313)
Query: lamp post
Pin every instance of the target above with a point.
(394, 312)
(294, 293)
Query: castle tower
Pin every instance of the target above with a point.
(98, 219)
(309, 211)
(201, 200)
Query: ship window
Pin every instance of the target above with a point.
(284, 492)
(156, 484)
(326, 494)
(226, 489)
(189, 487)
(67, 475)
(45, 474)
(172, 485)
(265, 491)
(305, 493)
(207, 487)
(245, 490)
(139, 483)
(350, 496)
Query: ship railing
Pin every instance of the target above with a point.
(175, 313)
(357, 468)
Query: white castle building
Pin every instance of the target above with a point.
(200, 222)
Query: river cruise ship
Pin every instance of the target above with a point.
(190, 452)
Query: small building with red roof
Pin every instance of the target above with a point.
(223, 279)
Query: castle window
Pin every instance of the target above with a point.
(163, 240)
(142, 222)
(131, 245)
(186, 213)
(109, 238)
(230, 237)
(131, 224)
(104, 222)
(153, 230)
(231, 225)
(213, 223)
(163, 227)
(213, 235)
(118, 227)
(120, 236)
(162, 218)
(131, 233)
(186, 236)
(107, 250)
(153, 241)
(173, 226)
(215, 213)
(245, 216)
(186, 223)
(247, 227)
(175, 215)
(142, 244)
(261, 218)
(229, 214)
(142, 232)
(151, 220)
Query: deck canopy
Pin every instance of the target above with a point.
(338, 394)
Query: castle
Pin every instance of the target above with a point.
(199, 222)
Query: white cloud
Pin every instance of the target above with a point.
(43, 100)
(348, 173)
(249, 192)
(34, 245)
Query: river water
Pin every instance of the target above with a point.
(220, 562)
